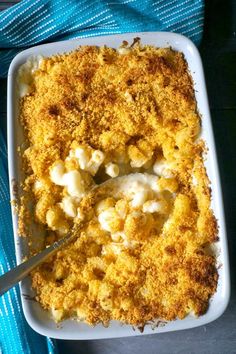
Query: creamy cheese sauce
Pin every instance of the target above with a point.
(25, 74)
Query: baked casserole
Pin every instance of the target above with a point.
(144, 252)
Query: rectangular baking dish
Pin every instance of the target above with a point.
(39, 319)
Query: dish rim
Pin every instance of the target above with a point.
(180, 43)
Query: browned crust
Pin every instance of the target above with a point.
(80, 96)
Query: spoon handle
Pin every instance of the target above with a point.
(12, 277)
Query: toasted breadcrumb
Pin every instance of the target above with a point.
(135, 106)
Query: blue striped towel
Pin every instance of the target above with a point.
(32, 22)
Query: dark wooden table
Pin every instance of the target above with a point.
(218, 51)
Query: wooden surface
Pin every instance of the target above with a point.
(218, 51)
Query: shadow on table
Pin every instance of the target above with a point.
(218, 50)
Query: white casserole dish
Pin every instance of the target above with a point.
(39, 319)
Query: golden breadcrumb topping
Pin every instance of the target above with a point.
(143, 253)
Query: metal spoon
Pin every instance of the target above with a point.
(15, 275)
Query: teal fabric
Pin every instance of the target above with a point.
(33, 22)
(16, 337)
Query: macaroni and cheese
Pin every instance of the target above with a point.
(126, 116)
